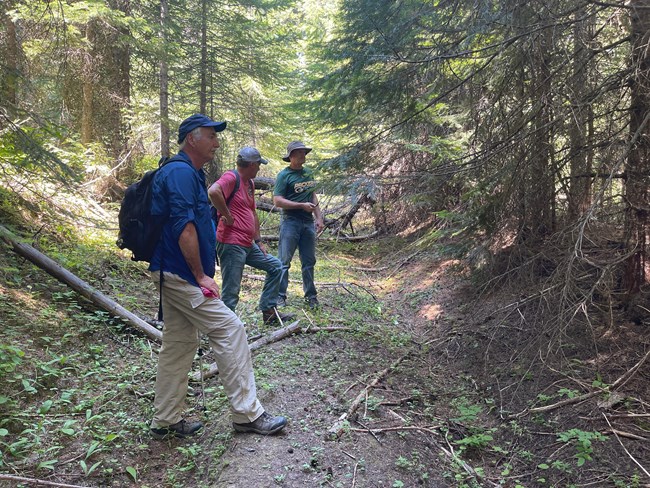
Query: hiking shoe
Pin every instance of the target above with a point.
(180, 429)
(270, 317)
(265, 424)
(282, 302)
(312, 302)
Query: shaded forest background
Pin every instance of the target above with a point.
(520, 128)
(515, 133)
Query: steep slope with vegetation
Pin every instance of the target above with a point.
(409, 375)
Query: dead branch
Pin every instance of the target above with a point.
(629, 435)
(625, 449)
(346, 219)
(563, 403)
(264, 183)
(37, 482)
(261, 204)
(401, 428)
(78, 285)
(621, 416)
(570, 401)
(336, 430)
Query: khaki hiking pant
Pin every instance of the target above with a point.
(187, 312)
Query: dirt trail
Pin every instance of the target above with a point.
(332, 370)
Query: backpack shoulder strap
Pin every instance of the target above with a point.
(234, 190)
(172, 159)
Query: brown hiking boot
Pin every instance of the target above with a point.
(270, 316)
(180, 429)
(265, 424)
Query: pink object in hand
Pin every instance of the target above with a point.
(208, 293)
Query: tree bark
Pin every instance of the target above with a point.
(88, 75)
(637, 188)
(203, 90)
(78, 285)
(540, 194)
(10, 93)
(580, 124)
(120, 70)
(164, 82)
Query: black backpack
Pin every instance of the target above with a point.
(139, 230)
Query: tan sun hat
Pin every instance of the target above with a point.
(292, 147)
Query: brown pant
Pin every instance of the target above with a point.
(186, 313)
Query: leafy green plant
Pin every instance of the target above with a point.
(467, 412)
(582, 440)
(89, 469)
(479, 440)
(403, 463)
(132, 472)
(567, 392)
(10, 358)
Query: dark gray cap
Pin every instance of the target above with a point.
(250, 155)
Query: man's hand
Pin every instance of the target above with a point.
(309, 207)
(227, 219)
(207, 283)
(320, 225)
(262, 247)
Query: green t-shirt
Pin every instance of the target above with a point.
(297, 186)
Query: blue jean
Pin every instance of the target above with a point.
(232, 259)
(300, 234)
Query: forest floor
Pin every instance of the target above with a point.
(446, 382)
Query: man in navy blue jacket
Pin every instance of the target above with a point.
(190, 295)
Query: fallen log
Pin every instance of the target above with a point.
(264, 183)
(339, 238)
(84, 289)
(277, 335)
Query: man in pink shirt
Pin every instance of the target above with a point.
(238, 236)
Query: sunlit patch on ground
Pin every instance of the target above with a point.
(431, 311)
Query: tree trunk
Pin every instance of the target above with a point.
(637, 189)
(88, 75)
(10, 92)
(540, 194)
(120, 69)
(203, 95)
(580, 158)
(164, 82)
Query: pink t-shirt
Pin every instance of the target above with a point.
(242, 208)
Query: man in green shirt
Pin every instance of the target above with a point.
(302, 219)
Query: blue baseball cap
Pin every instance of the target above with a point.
(198, 120)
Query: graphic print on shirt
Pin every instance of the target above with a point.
(304, 186)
